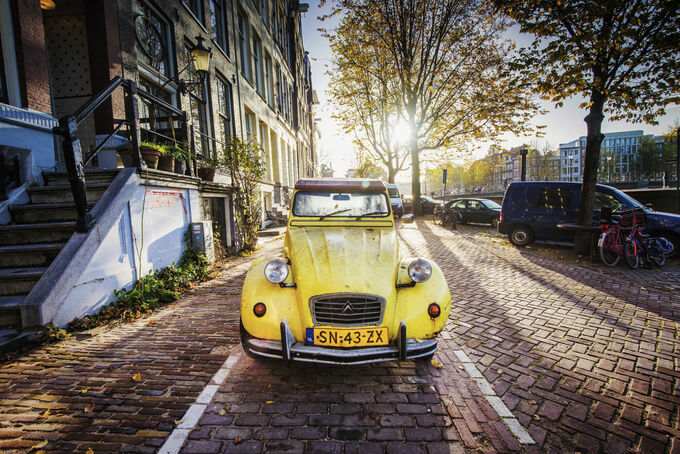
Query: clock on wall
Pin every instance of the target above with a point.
(149, 38)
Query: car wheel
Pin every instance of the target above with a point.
(521, 236)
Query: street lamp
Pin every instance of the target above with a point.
(200, 57)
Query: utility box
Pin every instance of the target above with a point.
(202, 238)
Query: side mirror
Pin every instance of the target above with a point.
(408, 218)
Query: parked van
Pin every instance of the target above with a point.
(532, 210)
(395, 200)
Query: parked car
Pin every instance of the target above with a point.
(341, 292)
(532, 210)
(395, 200)
(484, 211)
(428, 204)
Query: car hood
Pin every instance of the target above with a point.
(342, 259)
(668, 220)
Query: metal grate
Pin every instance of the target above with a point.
(347, 309)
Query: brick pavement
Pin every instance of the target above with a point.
(584, 362)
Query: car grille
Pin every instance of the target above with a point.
(347, 309)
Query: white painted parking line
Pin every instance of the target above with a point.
(176, 440)
(496, 402)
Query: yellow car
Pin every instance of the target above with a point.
(341, 292)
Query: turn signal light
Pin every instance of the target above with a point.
(259, 309)
(434, 310)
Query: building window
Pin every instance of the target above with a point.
(264, 142)
(153, 39)
(198, 109)
(264, 11)
(225, 109)
(268, 80)
(250, 125)
(218, 22)
(243, 46)
(196, 7)
(257, 62)
(279, 90)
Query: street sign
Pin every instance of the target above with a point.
(444, 176)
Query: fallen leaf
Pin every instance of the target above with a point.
(85, 389)
(151, 323)
(238, 440)
(137, 377)
(261, 437)
(418, 341)
(40, 451)
(42, 444)
(537, 418)
(45, 415)
(88, 408)
(269, 402)
(89, 451)
(223, 411)
(436, 363)
(177, 423)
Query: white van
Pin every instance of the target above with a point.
(395, 200)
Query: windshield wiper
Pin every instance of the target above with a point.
(334, 213)
(372, 213)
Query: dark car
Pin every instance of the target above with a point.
(428, 204)
(483, 211)
(532, 210)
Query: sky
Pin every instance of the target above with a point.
(336, 149)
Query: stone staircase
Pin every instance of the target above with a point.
(38, 232)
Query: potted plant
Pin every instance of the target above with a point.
(182, 157)
(166, 160)
(207, 166)
(150, 151)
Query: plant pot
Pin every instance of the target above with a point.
(206, 174)
(166, 163)
(180, 166)
(150, 156)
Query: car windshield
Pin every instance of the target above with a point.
(428, 199)
(394, 193)
(628, 202)
(490, 204)
(342, 204)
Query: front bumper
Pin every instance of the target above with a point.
(289, 349)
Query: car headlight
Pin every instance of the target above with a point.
(419, 270)
(276, 271)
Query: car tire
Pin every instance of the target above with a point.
(521, 236)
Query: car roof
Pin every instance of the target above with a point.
(469, 198)
(566, 184)
(340, 184)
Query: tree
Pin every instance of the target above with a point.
(244, 162)
(622, 56)
(366, 106)
(449, 73)
(365, 167)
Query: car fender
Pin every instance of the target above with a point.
(413, 301)
(281, 303)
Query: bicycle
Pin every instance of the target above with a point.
(643, 248)
(612, 241)
(448, 218)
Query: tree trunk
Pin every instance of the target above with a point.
(390, 174)
(592, 163)
(415, 162)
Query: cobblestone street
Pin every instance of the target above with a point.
(539, 355)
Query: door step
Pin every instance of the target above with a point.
(48, 232)
(19, 281)
(29, 255)
(45, 212)
(91, 177)
(63, 193)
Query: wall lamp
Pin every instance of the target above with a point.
(200, 57)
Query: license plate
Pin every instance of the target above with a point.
(357, 337)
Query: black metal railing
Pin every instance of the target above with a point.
(73, 156)
(10, 175)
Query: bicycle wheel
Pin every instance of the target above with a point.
(607, 250)
(656, 253)
(436, 218)
(632, 258)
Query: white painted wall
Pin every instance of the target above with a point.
(149, 235)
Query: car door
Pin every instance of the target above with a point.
(459, 206)
(554, 205)
(475, 211)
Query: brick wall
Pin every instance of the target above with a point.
(31, 55)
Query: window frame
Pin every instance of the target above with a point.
(225, 107)
(219, 25)
(244, 47)
(198, 13)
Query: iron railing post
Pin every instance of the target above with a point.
(76, 175)
(132, 113)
